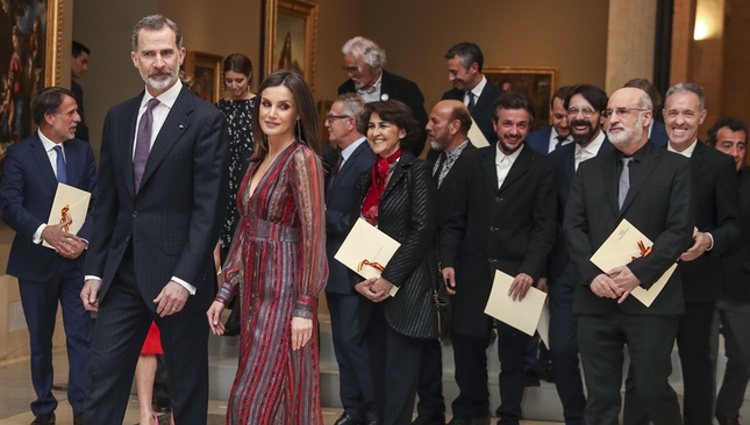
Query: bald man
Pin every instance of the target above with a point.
(447, 129)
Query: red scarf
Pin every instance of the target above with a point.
(377, 186)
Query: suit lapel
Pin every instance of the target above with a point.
(488, 166)
(174, 127)
(131, 114)
(518, 169)
(611, 179)
(398, 174)
(42, 160)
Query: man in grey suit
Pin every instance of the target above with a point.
(345, 124)
(156, 219)
(652, 189)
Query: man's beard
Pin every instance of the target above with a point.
(158, 84)
(627, 136)
(583, 139)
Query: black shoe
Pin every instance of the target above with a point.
(345, 419)
(530, 379)
(428, 420)
(44, 419)
(469, 421)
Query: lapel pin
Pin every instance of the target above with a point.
(384, 97)
(182, 126)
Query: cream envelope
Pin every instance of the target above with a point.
(70, 202)
(543, 326)
(366, 251)
(524, 314)
(476, 137)
(620, 248)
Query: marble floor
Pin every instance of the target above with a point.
(16, 392)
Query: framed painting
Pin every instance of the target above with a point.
(202, 73)
(537, 82)
(30, 59)
(289, 40)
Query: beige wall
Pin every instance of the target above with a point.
(736, 60)
(630, 41)
(573, 38)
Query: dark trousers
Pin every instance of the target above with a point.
(735, 322)
(39, 301)
(470, 355)
(564, 348)
(352, 355)
(431, 402)
(395, 366)
(649, 340)
(121, 327)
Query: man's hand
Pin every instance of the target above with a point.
(74, 247)
(449, 279)
(520, 285)
(382, 287)
(604, 287)
(59, 239)
(302, 329)
(365, 289)
(701, 243)
(90, 294)
(171, 299)
(214, 318)
(625, 280)
(542, 285)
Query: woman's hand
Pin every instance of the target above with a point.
(302, 329)
(382, 287)
(365, 288)
(214, 318)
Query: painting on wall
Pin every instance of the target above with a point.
(202, 73)
(30, 56)
(289, 39)
(537, 82)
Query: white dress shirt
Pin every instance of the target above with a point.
(590, 151)
(553, 140)
(49, 147)
(477, 90)
(372, 93)
(349, 150)
(504, 162)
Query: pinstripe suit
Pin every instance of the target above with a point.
(397, 327)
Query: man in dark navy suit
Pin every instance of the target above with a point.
(470, 86)
(364, 61)
(557, 134)
(345, 124)
(33, 169)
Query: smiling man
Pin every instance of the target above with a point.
(156, 216)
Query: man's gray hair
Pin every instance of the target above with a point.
(645, 101)
(688, 87)
(371, 53)
(352, 105)
(155, 23)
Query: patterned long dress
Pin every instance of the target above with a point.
(278, 264)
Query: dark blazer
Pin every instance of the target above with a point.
(340, 216)
(399, 88)
(27, 191)
(737, 261)
(660, 203)
(539, 140)
(564, 159)
(407, 214)
(484, 108)
(444, 191)
(717, 210)
(511, 229)
(172, 221)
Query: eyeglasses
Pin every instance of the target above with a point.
(622, 112)
(331, 118)
(587, 112)
(350, 69)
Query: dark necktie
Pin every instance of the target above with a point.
(560, 140)
(624, 181)
(143, 142)
(439, 169)
(335, 170)
(471, 100)
(62, 171)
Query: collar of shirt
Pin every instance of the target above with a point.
(687, 153)
(49, 147)
(592, 149)
(501, 159)
(349, 150)
(477, 90)
(456, 152)
(372, 88)
(159, 113)
(553, 139)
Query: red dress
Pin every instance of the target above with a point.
(152, 344)
(278, 264)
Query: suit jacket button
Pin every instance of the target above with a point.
(134, 214)
(493, 229)
(492, 260)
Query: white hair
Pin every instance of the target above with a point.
(368, 50)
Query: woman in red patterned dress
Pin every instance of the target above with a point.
(277, 263)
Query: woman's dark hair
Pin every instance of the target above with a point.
(237, 62)
(397, 113)
(303, 99)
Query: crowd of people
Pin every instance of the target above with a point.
(198, 208)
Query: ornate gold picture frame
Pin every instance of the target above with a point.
(290, 37)
(537, 82)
